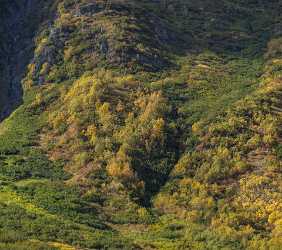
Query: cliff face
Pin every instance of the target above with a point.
(87, 35)
(20, 20)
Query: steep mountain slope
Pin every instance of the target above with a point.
(19, 22)
(143, 124)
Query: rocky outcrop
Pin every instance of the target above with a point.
(20, 20)
(82, 36)
(89, 34)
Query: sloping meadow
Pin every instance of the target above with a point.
(147, 125)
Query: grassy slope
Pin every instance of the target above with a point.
(35, 204)
(162, 160)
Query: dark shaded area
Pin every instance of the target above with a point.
(20, 21)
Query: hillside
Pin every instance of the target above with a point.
(140, 124)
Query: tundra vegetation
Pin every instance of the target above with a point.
(143, 124)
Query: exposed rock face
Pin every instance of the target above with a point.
(81, 40)
(20, 20)
(77, 36)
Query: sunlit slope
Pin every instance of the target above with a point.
(147, 125)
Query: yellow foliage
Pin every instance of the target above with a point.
(105, 116)
(223, 153)
(182, 165)
(41, 45)
(197, 127)
(254, 142)
(119, 167)
(126, 80)
(28, 82)
(91, 132)
(44, 69)
(158, 128)
(57, 120)
(116, 169)
(143, 214)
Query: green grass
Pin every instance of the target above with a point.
(125, 155)
(35, 202)
(203, 88)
